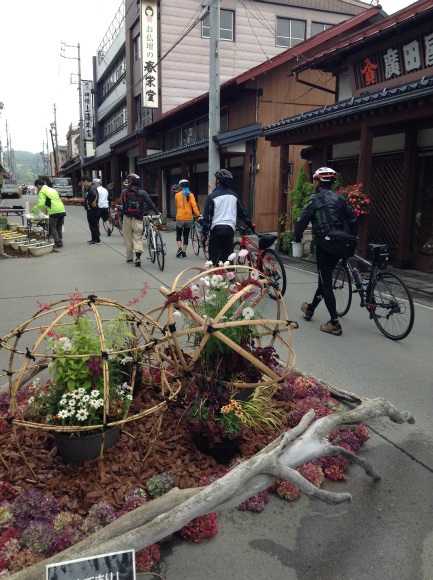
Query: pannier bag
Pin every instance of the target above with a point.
(266, 241)
(337, 242)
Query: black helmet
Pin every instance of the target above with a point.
(224, 176)
(133, 179)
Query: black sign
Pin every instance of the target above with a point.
(115, 566)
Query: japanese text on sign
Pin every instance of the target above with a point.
(86, 91)
(149, 51)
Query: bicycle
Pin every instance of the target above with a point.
(385, 296)
(261, 257)
(196, 235)
(155, 244)
(114, 219)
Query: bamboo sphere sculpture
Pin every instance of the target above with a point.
(29, 342)
(186, 319)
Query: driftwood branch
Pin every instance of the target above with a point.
(307, 441)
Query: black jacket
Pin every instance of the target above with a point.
(147, 202)
(340, 212)
(91, 199)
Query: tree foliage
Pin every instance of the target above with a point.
(300, 194)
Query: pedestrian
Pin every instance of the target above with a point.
(103, 204)
(186, 209)
(326, 210)
(92, 209)
(222, 210)
(135, 204)
(50, 199)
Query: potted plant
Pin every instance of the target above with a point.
(225, 394)
(356, 197)
(163, 224)
(87, 389)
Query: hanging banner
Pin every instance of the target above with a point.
(87, 92)
(149, 53)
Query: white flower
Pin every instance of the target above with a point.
(204, 281)
(220, 264)
(63, 414)
(94, 403)
(227, 263)
(31, 400)
(128, 397)
(232, 257)
(65, 343)
(195, 291)
(85, 398)
(81, 391)
(254, 275)
(177, 313)
(72, 402)
(208, 264)
(125, 360)
(214, 281)
(82, 415)
(243, 253)
(94, 393)
(248, 313)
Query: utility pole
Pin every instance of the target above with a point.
(56, 144)
(81, 123)
(214, 88)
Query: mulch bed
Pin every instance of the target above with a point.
(124, 466)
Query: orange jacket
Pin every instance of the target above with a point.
(185, 209)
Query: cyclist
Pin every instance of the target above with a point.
(326, 210)
(222, 210)
(186, 208)
(135, 202)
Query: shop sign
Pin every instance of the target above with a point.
(395, 62)
(149, 53)
(86, 92)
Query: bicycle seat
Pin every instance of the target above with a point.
(266, 241)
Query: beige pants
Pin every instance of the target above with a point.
(133, 236)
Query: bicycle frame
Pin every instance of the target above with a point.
(363, 291)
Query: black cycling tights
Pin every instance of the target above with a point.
(182, 233)
(325, 266)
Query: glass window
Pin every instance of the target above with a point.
(227, 25)
(317, 27)
(289, 32)
(136, 47)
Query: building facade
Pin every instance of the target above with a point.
(379, 130)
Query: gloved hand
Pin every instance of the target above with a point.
(200, 219)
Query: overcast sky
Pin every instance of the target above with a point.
(33, 74)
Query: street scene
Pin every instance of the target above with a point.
(216, 290)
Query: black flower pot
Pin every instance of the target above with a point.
(223, 452)
(76, 450)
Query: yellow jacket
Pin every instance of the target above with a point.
(185, 209)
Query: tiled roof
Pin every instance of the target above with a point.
(342, 108)
(196, 146)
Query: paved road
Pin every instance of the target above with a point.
(387, 531)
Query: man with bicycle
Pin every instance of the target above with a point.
(135, 202)
(222, 210)
(327, 211)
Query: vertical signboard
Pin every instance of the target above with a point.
(86, 91)
(149, 53)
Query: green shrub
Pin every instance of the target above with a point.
(300, 194)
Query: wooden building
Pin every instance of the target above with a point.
(379, 130)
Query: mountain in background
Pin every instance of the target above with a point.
(28, 166)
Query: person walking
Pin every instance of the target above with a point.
(135, 204)
(50, 199)
(103, 204)
(222, 210)
(92, 209)
(326, 210)
(186, 208)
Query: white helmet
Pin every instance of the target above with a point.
(97, 181)
(325, 174)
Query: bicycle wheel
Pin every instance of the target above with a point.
(111, 224)
(195, 239)
(392, 310)
(160, 251)
(342, 287)
(273, 268)
(151, 245)
(241, 261)
(119, 224)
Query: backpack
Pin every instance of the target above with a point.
(133, 203)
(337, 242)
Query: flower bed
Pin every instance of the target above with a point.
(74, 501)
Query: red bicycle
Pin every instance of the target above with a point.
(261, 257)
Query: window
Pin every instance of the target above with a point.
(289, 32)
(317, 27)
(136, 48)
(227, 25)
(115, 122)
(116, 74)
